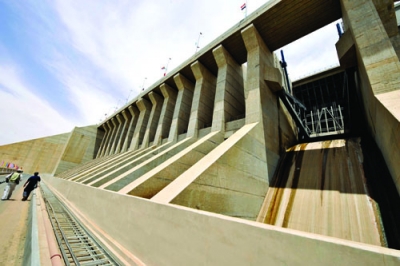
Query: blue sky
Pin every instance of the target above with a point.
(72, 63)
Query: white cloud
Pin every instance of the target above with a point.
(25, 115)
(133, 40)
(312, 53)
(100, 52)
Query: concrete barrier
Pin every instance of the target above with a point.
(162, 234)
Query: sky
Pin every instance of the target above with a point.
(73, 63)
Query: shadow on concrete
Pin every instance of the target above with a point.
(354, 168)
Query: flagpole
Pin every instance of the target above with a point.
(166, 67)
(143, 84)
(244, 7)
(127, 99)
(198, 42)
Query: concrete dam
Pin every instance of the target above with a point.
(226, 161)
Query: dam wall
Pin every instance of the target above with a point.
(53, 154)
(37, 155)
(81, 147)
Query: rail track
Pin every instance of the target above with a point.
(77, 245)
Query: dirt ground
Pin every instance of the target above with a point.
(13, 226)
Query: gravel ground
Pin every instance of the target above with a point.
(13, 226)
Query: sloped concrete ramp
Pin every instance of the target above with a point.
(321, 188)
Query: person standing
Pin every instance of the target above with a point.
(13, 181)
(30, 185)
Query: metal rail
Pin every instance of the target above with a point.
(76, 244)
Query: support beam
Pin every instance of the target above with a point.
(122, 133)
(117, 134)
(134, 113)
(109, 141)
(180, 119)
(261, 102)
(167, 111)
(203, 99)
(144, 107)
(229, 97)
(103, 141)
(113, 136)
(156, 101)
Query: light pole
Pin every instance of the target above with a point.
(198, 42)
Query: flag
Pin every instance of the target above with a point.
(243, 6)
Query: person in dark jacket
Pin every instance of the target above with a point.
(30, 185)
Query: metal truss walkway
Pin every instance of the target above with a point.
(319, 107)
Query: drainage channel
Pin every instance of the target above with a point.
(76, 244)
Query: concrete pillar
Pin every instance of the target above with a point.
(156, 101)
(229, 96)
(180, 119)
(103, 141)
(113, 136)
(387, 14)
(167, 111)
(144, 107)
(134, 113)
(379, 71)
(261, 102)
(117, 134)
(203, 99)
(122, 132)
(106, 144)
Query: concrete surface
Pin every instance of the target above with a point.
(321, 188)
(22, 234)
(160, 234)
(13, 224)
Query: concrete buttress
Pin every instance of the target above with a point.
(131, 129)
(109, 139)
(379, 69)
(261, 102)
(117, 135)
(144, 108)
(113, 137)
(156, 101)
(203, 99)
(167, 111)
(229, 96)
(103, 141)
(123, 132)
(180, 119)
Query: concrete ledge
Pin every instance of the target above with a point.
(346, 50)
(31, 252)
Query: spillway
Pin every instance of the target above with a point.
(321, 188)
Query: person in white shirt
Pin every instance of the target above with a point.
(13, 181)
